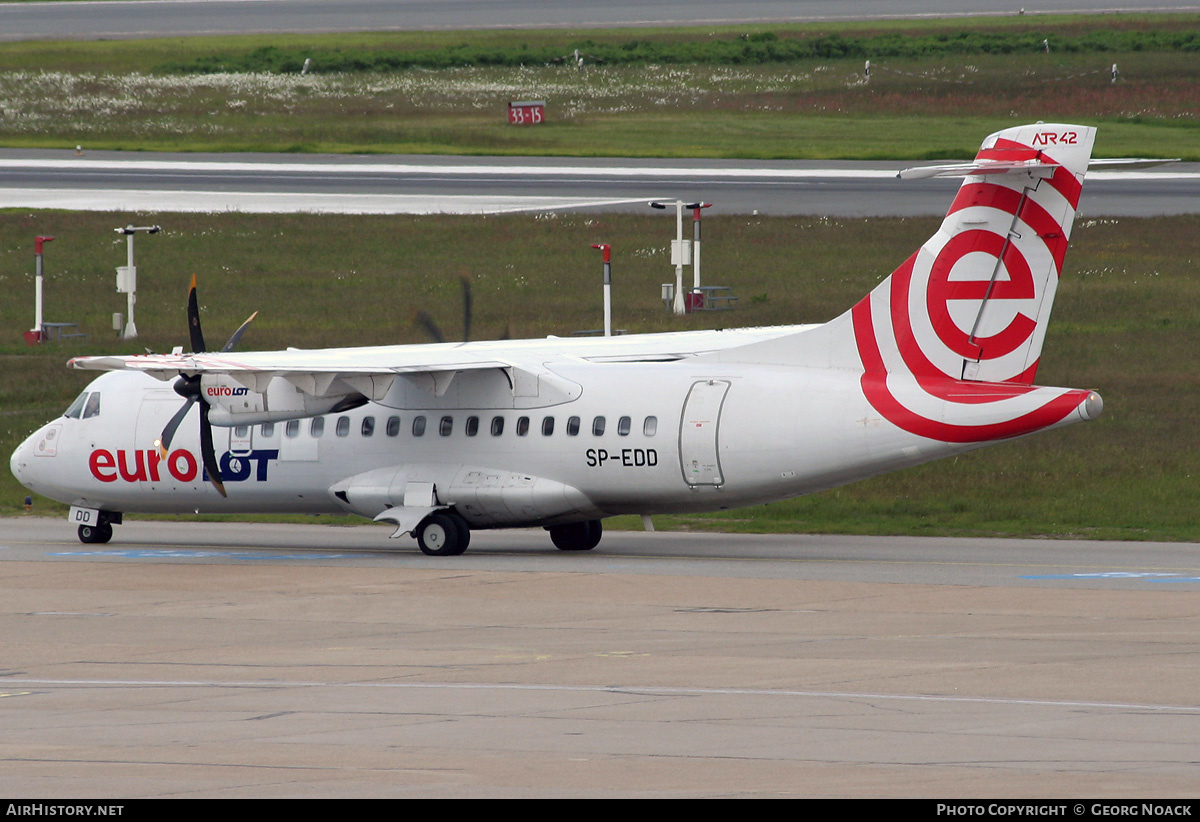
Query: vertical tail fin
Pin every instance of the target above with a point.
(950, 342)
(973, 303)
(948, 345)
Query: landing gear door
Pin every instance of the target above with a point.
(698, 433)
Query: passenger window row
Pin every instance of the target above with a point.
(316, 427)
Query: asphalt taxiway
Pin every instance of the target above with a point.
(406, 184)
(222, 659)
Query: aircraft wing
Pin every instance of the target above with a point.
(331, 373)
(319, 373)
(316, 370)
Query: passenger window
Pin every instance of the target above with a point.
(598, 427)
(650, 426)
(292, 429)
(343, 427)
(547, 426)
(446, 426)
(393, 426)
(76, 407)
(572, 426)
(497, 426)
(472, 426)
(317, 427)
(268, 429)
(239, 431)
(368, 426)
(418, 426)
(623, 426)
(522, 426)
(92, 409)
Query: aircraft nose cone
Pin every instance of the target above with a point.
(16, 463)
(22, 462)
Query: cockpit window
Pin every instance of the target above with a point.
(76, 407)
(92, 408)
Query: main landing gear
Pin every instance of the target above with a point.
(443, 534)
(446, 534)
(578, 536)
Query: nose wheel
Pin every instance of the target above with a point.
(93, 534)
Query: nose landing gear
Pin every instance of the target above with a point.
(95, 527)
(99, 533)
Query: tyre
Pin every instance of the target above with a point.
(578, 536)
(93, 534)
(443, 534)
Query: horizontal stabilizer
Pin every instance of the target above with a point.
(978, 167)
(1034, 167)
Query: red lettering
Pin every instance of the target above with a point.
(128, 474)
(1049, 138)
(102, 460)
(145, 465)
(188, 471)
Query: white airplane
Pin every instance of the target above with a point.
(443, 439)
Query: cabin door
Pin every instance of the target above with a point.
(698, 433)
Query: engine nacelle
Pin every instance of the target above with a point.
(231, 403)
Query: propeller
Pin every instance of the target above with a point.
(188, 387)
(423, 319)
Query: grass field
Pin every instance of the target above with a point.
(1127, 322)
(678, 93)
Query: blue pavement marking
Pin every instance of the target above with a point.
(132, 553)
(1148, 576)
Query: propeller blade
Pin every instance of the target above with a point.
(237, 335)
(207, 455)
(168, 434)
(431, 328)
(466, 297)
(188, 387)
(193, 313)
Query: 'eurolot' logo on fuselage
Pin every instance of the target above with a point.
(181, 465)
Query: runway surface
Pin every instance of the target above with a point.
(222, 659)
(150, 18)
(120, 181)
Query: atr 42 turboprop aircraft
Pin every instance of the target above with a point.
(442, 439)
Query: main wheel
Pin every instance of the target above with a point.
(92, 534)
(578, 536)
(443, 534)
